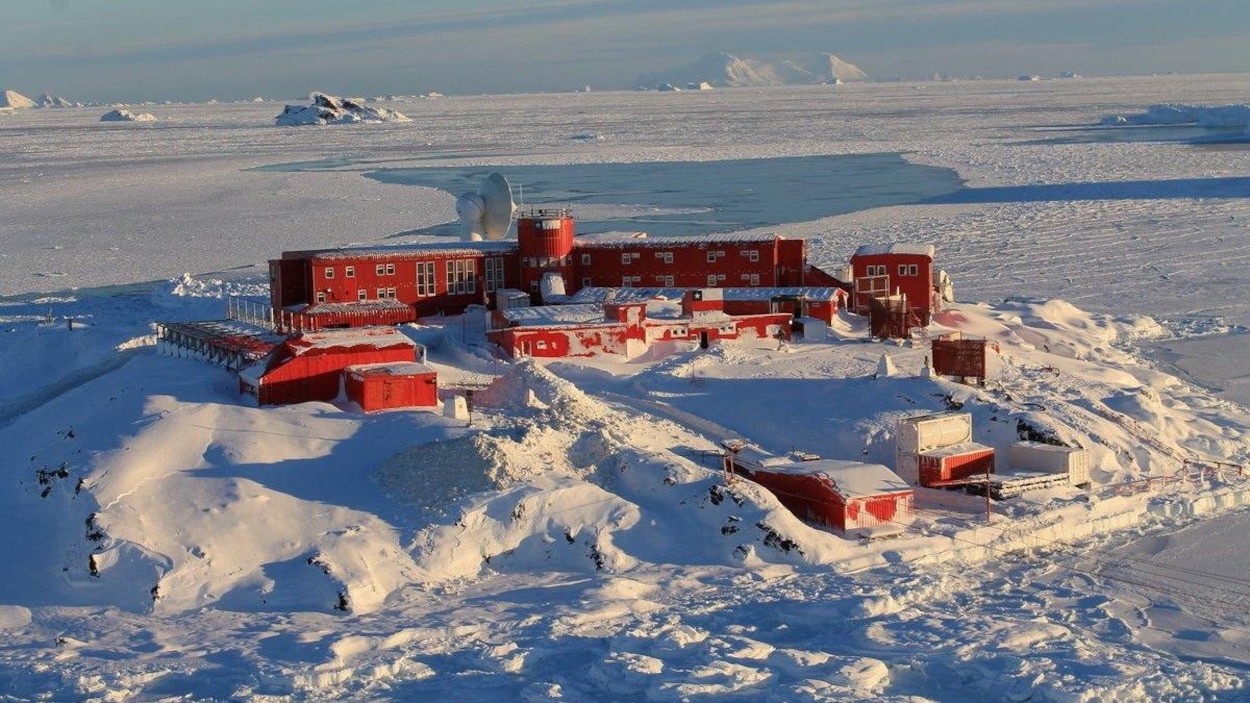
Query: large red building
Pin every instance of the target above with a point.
(387, 285)
(899, 271)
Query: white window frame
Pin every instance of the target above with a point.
(329, 272)
(390, 269)
(494, 273)
(711, 257)
(349, 271)
(625, 258)
(321, 296)
(379, 270)
(753, 256)
(381, 293)
(427, 284)
(585, 259)
(362, 294)
(711, 280)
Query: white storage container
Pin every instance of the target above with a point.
(925, 432)
(1051, 459)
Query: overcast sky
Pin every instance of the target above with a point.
(119, 50)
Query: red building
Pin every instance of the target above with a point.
(629, 328)
(841, 495)
(882, 271)
(387, 386)
(310, 366)
(385, 285)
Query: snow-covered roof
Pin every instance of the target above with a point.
(896, 248)
(377, 337)
(540, 315)
(956, 449)
(642, 239)
(396, 368)
(731, 294)
(445, 248)
(354, 307)
(850, 479)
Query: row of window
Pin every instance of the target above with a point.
(363, 295)
(667, 256)
(903, 270)
(461, 278)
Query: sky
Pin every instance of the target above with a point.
(128, 50)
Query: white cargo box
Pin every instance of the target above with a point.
(925, 432)
(1051, 459)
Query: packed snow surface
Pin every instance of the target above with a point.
(577, 540)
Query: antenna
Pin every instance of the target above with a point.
(486, 214)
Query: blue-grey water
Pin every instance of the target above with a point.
(696, 197)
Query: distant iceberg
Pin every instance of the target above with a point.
(127, 116)
(11, 99)
(329, 109)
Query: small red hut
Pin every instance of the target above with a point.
(387, 386)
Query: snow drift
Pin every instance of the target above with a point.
(329, 109)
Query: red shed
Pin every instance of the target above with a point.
(309, 366)
(386, 386)
(955, 462)
(842, 495)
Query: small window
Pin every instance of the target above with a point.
(362, 294)
(625, 258)
(390, 269)
(381, 293)
(755, 279)
(902, 269)
(321, 296)
(627, 282)
(380, 270)
(585, 259)
(668, 257)
(711, 279)
(913, 270)
(668, 281)
(586, 283)
(711, 257)
(753, 255)
(540, 344)
(390, 293)
(350, 271)
(720, 276)
(329, 272)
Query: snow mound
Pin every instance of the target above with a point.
(330, 109)
(14, 100)
(127, 116)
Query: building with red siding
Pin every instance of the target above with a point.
(385, 285)
(840, 495)
(885, 271)
(627, 327)
(388, 386)
(309, 366)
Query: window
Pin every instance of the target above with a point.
(425, 279)
(350, 271)
(390, 293)
(711, 279)
(626, 282)
(625, 258)
(540, 344)
(494, 274)
(875, 270)
(720, 276)
(753, 255)
(711, 257)
(390, 269)
(755, 279)
(668, 281)
(380, 270)
(329, 272)
(321, 296)
(381, 294)
(902, 269)
(586, 283)
(362, 294)
(585, 259)
(461, 277)
(913, 270)
(665, 256)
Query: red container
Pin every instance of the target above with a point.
(955, 462)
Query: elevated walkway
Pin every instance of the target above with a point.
(229, 343)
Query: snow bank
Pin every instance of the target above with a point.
(120, 115)
(1175, 114)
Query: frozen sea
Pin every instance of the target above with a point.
(1022, 196)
